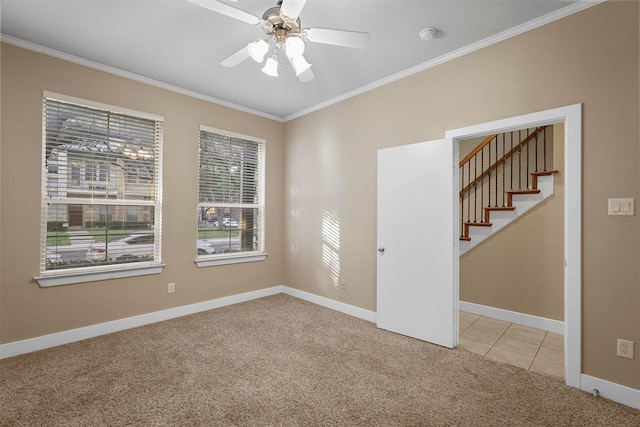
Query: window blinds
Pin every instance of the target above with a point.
(101, 183)
(230, 193)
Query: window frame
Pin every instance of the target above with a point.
(65, 276)
(260, 253)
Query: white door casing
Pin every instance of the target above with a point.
(571, 116)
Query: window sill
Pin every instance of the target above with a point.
(69, 278)
(230, 259)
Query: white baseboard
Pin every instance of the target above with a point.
(342, 307)
(65, 337)
(514, 317)
(612, 391)
(46, 341)
(39, 343)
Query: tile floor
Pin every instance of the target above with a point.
(528, 348)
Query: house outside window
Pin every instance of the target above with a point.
(97, 214)
(230, 210)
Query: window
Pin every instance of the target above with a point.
(230, 207)
(101, 195)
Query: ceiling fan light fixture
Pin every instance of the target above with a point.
(300, 65)
(258, 49)
(271, 66)
(284, 31)
(294, 47)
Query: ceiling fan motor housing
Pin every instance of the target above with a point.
(278, 26)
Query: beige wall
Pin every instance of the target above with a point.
(26, 310)
(521, 268)
(331, 161)
(321, 183)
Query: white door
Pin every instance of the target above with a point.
(417, 241)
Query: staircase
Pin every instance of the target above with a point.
(502, 178)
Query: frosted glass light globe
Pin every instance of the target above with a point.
(258, 49)
(294, 46)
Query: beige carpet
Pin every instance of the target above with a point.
(282, 361)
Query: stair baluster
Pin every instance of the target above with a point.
(527, 174)
(498, 159)
(536, 137)
(489, 179)
(511, 158)
(520, 160)
(496, 175)
(481, 183)
(544, 145)
(504, 162)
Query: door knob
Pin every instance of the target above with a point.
(381, 249)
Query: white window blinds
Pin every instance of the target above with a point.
(101, 192)
(230, 194)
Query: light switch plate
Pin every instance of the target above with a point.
(626, 207)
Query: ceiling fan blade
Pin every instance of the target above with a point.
(236, 58)
(227, 10)
(337, 37)
(292, 8)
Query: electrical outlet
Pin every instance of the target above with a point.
(343, 285)
(171, 288)
(625, 348)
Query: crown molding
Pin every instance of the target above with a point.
(576, 7)
(507, 34)
(131, 76)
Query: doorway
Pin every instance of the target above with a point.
(404, 298)
(75, 217)
(571, 117)
(511, 286)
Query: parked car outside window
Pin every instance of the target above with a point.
(227, 223)
(129, 247)
(133, 247)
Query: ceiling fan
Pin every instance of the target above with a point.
(284, 34)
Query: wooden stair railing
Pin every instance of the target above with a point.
(509, 207)
(495, 165)
(479, 179)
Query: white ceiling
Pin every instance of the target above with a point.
(180, 45)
